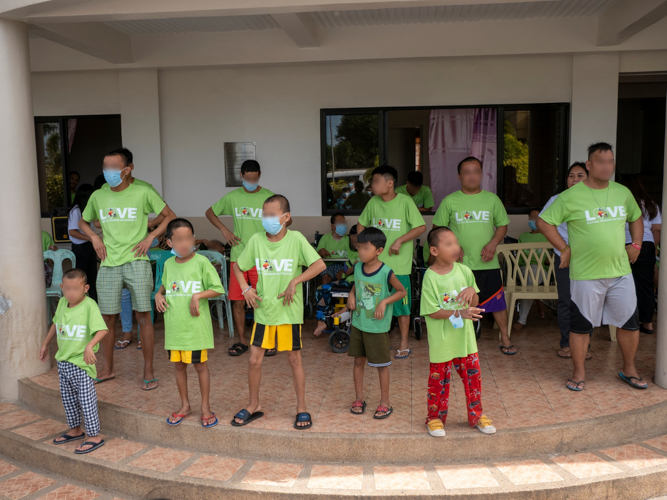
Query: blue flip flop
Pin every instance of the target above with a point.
(68, 438)
(146, 388)
(629, 381)
(403, 356)
(179, 417)
(303, 417)
(205, 419)
(94, 446)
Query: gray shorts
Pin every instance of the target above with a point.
(607, 301)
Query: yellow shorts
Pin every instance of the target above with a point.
(264, 336)
(188, 357)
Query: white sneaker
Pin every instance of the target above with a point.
(436, 428)
(484, 425)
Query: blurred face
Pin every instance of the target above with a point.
(216, 246)
(73, 181)
(381, 186)
(412, 189)
(448, 248)
(367, 252)
(576, 175)
(116, 162)
(601, 165)
(182, 241)
(273, 209)
(353, 241)
(339, 221)
(471, 175)
(251, 177)
(74, 289)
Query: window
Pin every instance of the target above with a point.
(523, 150)
(70, 151)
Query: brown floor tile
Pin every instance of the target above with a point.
(117, 449)
(161, 459)
(24, 485)
(17, 418)
(7, 468)
(466, 476)
(70, 492)
(585, 465)
(405, 477)
(635, 456)
(337, 477)
(40, 430)
(528, 472)
(273, 474)
(659, 442)
(6, 407)
(210, 467)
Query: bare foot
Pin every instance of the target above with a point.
(183, 410)
(564, 353)
(517, 327)
(321, 326)
(250, 409)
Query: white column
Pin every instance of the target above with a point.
(661, 332)
(23, 326)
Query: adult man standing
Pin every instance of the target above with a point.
(245, 206)
(420, 194)
(601, 284)
(122, 209)
(479, 220)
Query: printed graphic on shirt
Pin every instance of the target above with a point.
(274, 267)
(248, 213)
(471, 216)
(387, 224)
(608, 214)
(448, 300)
(118, 215)
(71, 332)
(368, 297)
(183, 288)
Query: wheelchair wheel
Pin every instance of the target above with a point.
(308, 310)
(478, 329)
(418, 328)
(214, 311)
(339, 341)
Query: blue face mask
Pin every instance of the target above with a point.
(532, 225)
(113, 177)
(272, 225)
(249, 186)
(182, 256)
(341, 229)
(456, 321)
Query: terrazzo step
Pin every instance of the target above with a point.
(634, 471)
(406, 448)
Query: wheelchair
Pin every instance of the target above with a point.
(338, 327)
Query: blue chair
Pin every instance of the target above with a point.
(54, 291)
(159, 257)
(216, 258)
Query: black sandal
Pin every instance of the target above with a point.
(238, 349)
(508, 348)
(303, 417)
(68, 438)
(246, 417)
(270, 352)
(93, 447)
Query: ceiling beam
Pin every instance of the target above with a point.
(301, 28)
(626, 18)
(95, 39)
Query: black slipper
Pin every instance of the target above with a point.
(507, 353)
(238, 349)
(68, 438)
(93, 448)
(303, 417)
(270, 352)
(645, 330)
(246, 417)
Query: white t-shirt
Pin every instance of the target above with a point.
(648, 234)
(73, 223)
(562, 229)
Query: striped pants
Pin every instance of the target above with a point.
(78, 393)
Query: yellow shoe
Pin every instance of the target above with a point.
(436, 428)
(484, 425)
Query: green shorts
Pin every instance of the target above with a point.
(402, 307)
(136, 276)
(372, 346)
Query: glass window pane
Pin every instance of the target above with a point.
(49, 165)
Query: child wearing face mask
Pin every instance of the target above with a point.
(449, 304)
(534, 236)
(334, 245)
(188, 281)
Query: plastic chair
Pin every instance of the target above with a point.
(54, 291)
(216, 258)
(159, 257)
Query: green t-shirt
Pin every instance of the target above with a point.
(370, 289)
(182, 330)
(47, 241)
(75, 328)
(473, 218)
(596, 228)
(394, 218)
(438, 292)
(423, 199)
(246, 211)
(533, 238)
(338, 249)
(123, 216)
(277, 264)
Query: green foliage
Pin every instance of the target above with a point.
(54, 169)
(515, 154)
(357, 146)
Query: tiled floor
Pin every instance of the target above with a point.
(524, 390)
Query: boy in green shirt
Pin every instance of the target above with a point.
(278, 255)
(449, 303)
(334, 245)
(415, 189)
(371, 302)
(122, 208)
(188, 281)
(398, 218)
(479, 221)
(245, 206)
(79, 327)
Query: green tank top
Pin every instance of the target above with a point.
(370, 289)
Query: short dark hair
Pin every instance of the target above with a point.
(580, 164)
(535, 209)
(373, 236)
(74, 172)
(388, 172)
(358, 186)
(75, 273)
(99, 182)
(599, 146)
(335, 216)
(175, 224)
(416, 178)
(284, 202)
(250, 166)
(124, 153)
(434, 235)
(469, 159)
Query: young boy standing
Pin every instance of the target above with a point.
(398, 218)
(449, 303)
(78, 327)
(245, 206)
(479, 221)
(371, 302)
(188, 281)
(278, 255)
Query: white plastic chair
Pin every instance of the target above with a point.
(54, 291)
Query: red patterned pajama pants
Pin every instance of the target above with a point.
(438, 388)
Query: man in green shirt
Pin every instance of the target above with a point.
(245, 206)
(122, 209)
(601, 284)
(415, 189)
(479, 220)
(401, 222)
